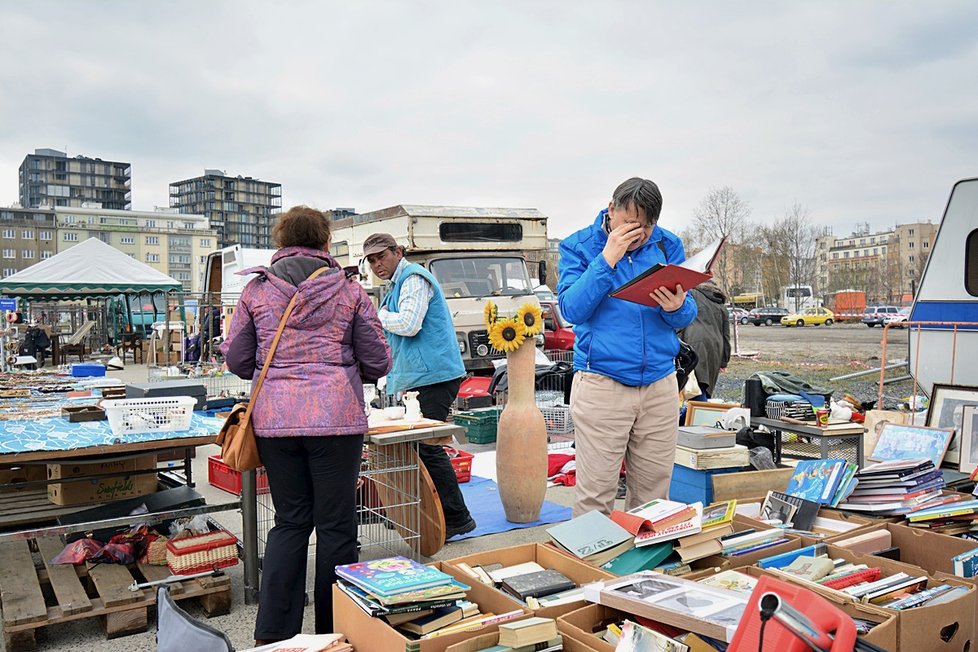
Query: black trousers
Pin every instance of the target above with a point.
(436, 400)
(313, 482)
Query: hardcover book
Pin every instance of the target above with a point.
(392, 575)
(717, 514)
(637, 559)
(589, 534)
(816, 480)
(535, 585)
(691, 526)
(436, 620)
(689, 274)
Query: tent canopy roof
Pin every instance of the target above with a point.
(89, 269)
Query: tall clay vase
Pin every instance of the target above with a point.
(521, 441)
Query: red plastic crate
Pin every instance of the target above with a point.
(461, 462)
(224, 477)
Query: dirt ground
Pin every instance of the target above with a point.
(817, 354)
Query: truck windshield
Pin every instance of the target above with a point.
(481, 277)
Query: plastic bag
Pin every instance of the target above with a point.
(189, 527)
(78, 552)
(115, 553)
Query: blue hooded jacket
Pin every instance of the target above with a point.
(633, 344)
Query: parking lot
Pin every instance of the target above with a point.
(839, 343)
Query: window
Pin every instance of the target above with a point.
(127, 240)
(9, 234)
(910, 232)
(71, 236)
(926, 245)
(9, 271)
(150, 224)
(481, 277)
(68, 219)
(9, 253)
(480, 232)
(27, 254)
(46, 254)
(876, 250)
(152, 258)
(152, 240)
(44, 235)
(835, 255)
(845, 254)
(205, 242)
(188, 225)
(27, 234)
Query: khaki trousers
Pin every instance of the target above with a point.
(615, 422)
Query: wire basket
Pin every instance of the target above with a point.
(558, 419)
(134, 415)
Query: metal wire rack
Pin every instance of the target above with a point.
(218, 384)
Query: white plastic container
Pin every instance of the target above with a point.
(163, 414)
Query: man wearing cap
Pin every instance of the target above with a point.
(418, 325)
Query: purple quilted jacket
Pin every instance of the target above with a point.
(332, 344)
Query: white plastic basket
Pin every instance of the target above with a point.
(164, 414)
(559, 420)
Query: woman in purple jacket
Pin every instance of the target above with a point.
(309, 416)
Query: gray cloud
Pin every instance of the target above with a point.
(861, 112)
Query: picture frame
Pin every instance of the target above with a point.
(705, 413)
(945, 411)
(874, 422)
(909, 442)
(969, 440)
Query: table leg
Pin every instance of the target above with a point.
(188, 467)
(249, 535)
(859, 451)
(777, 446)
(823, 446)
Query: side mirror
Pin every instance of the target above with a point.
(542, 275)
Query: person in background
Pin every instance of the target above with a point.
(624, 398)
(419, 328)
(709, 335)
(309, 416)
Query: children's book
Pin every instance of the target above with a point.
(732, 581)
(689, 274)
(690, 526)
(717, 514)
(392, 575)
(816, 480)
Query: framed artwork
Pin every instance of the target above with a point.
(947, 403)
(968, 436)
(906, 442)
(704, 413)
(874, 422)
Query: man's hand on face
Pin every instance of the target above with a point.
(620, 239)
(669, 301)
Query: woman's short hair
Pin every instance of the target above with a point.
(301, 226)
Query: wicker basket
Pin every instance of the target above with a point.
(201, 553)
(156, 552)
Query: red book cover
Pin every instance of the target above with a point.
(866, 575)
(688, 274)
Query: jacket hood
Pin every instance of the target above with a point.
(287, 275)
(712, 292)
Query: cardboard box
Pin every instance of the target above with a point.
(101, 489)
(22, 473)
(368, 634)
(488, 640)
(942, 627)
(861, 522)
(740, 524)
(575, 569)
(714, 485)
(583, 624)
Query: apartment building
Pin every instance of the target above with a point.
(27, 236)
(241, 209)
(48, 178)
(175, 243)
(886, 264)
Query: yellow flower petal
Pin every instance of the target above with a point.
(491, 313)
(507, 335)
(531, 318)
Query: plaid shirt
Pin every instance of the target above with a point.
(412, 305)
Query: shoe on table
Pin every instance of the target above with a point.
(455, 530)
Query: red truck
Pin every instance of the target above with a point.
(558, 334)
(848, 305)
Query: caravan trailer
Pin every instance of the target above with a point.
(948, 293)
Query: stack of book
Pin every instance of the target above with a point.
(536, 634)
(952, 516)
(896, 487)
(826, 482)
(716, 525)
(748, 541)
(420, 601)
(593, 537)
(527, 581)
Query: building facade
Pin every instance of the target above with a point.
(174, 243)
(887, 265)
(48, 178)
(241, 209)
(26, 237)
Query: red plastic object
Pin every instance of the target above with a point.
(474, 386)
(822, 614)
(222, 476)
(461, 462)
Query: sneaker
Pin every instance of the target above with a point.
(455, 530)
(621, 488)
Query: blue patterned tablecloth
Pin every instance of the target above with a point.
(57, 434)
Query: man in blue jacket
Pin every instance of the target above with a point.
(625, 400)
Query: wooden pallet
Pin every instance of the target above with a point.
(37, 595)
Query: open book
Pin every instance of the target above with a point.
(689, 274)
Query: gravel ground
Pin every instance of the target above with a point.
(817, 354)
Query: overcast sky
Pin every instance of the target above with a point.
(861, 111)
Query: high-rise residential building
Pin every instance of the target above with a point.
(241, 209)
(174, 243)
(26, 236)
(49, 178)
(886, 264)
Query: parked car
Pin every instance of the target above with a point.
(768, 316)
(736, 314)
(558, 334)
(898, 320)
(544, 293)
(810, 317)
(875, 315)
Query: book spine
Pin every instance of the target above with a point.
(786, 558)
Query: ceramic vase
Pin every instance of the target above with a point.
(521, 441)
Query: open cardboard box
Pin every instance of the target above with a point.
(488, 640)
(584, 623)
(368, 634)
(741, 524)
(947, 626)
(573, 568)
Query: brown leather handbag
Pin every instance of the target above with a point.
(237, 438)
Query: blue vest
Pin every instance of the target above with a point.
(432, 355)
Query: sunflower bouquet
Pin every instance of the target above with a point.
(508, 333)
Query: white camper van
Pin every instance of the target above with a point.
(948, 292)
(221, 280)
(475, 254)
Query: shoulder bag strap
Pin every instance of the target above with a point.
(271, 351)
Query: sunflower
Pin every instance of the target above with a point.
(492, 313)
(531, 318)
(507, 335)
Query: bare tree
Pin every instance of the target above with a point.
(722, 214)
(796, 236)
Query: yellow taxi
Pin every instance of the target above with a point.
(810, 317)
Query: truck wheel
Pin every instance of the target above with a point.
(828, 322)
(870, 325)
(768, 322)
(800, 322)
